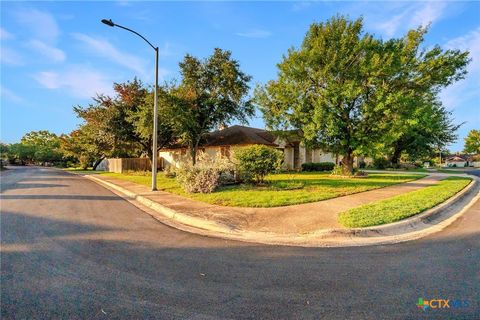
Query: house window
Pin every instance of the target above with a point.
(225, 152)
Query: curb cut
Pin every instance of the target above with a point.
(431, 221)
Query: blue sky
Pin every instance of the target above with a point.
(55, 55)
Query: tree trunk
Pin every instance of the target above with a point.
(193, 151)
(347, 163)
(397, 152)
(97, 162)
(193, 154)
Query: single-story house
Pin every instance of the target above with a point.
(458, 161)
(220, 143)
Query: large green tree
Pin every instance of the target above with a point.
(20, 153)
(125, 121)
(212, 92)
(88, 145)
(44, 145)
(472, 142)
(419, 132)
(344, 89)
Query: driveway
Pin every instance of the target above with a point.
(72, 249)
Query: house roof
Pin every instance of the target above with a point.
(235, 135)
(458, 158)
(238, 135)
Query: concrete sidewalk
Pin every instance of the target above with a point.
(294, 219)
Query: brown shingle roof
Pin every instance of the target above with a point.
(238, 135)
(234, 135)
(458, 158)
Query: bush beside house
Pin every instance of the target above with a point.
(318, 166)
(203, 177)
(255, 162)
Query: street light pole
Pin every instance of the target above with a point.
(155, 126)
(110, 23)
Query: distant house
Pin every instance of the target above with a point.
(474, 161)
(458, 161)
(221, 142)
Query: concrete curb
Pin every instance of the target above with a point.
(418, 226)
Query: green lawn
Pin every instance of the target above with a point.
(283, 189)
(400, 170)
(409, 170)
(402, 206)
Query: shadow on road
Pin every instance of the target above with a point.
(69, 269)
(101, 257)
(56, 197)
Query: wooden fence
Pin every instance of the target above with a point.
(121, 165)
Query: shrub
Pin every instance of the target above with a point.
(381, 163)
(408, 166)
(255, 162)
(228, 177)
(170, 172)
(204, 177)
(338, 171)
(318, 166)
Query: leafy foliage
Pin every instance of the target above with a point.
(420, 129)
(472, 142)
(258, 161)
(124, 123)
(87, 145)
(338, 171)
(35, 147)
(212, 92)
(381, 163)
(346, 90)
(204, 176)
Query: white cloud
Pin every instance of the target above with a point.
(256, 33)
(466, 90)
(52, 53)
(80, 81)
(42, 25)
(391, 26)
(11, 57)
(123, 3)
(470, 42)
(10, 95)
(105, 49)
(393, 18)
(301, 5)
(429, 13)
(5, 35)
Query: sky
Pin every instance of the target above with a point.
(56, 55)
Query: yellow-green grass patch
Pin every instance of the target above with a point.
(404, 205)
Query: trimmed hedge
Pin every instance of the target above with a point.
(318, 166)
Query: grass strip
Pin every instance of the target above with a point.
(402, 206)
(281, 190)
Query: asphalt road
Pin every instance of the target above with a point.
(73, 250)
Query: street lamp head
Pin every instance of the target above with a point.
(108, 22)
